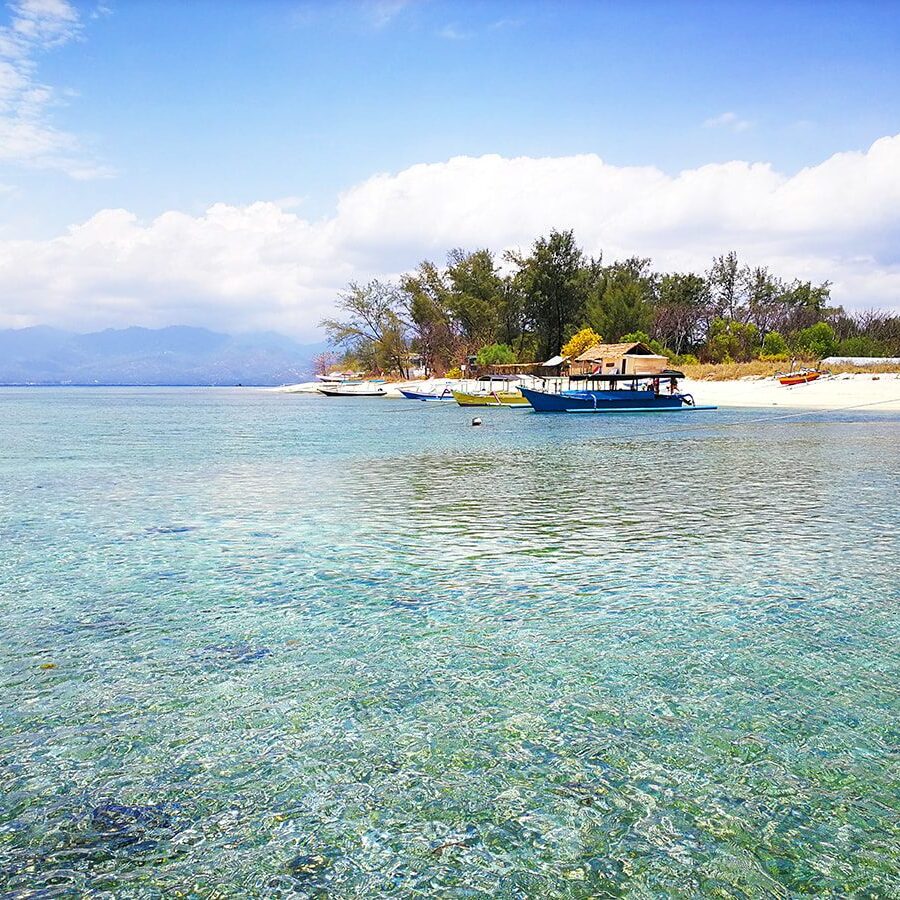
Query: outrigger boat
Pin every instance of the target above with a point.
(802, 376)
(491, 396)
(614, 394)
(352, 390)
(412, 394)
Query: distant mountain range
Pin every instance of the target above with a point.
(178, 355)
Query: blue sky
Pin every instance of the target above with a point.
(179, 106)
(191, 103)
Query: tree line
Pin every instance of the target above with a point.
(525, 307)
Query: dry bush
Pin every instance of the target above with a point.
(759, 368)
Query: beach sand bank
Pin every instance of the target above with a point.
(875, 392)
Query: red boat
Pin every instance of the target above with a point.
(804, 376)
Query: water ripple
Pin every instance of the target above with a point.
(265, 645)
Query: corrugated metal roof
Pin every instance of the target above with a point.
(555, 361)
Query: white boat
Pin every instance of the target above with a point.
(338, 377)
(356, 389)
(413, 394)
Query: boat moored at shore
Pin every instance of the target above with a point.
(801, 376)
(493, 390)
(412, 394)
(360, 389)
(612, 394)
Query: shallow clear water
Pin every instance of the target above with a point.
(359, 648)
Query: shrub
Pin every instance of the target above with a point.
(455, 372)
(645, 338)
(495, 355)
(817, 341)
(774, 344)
(730, 341)
(862, 346)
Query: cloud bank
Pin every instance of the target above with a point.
(263, 266)
(27, 135)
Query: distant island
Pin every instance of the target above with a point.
(177, 355)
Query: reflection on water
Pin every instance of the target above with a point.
(364, 649)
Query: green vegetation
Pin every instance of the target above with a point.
(555, 298)
(495, 355)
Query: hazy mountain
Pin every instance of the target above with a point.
(175, 355)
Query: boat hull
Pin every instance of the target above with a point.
(336, 392)
(607, 401)
(417, 395)
(799, 379)
(497, 398)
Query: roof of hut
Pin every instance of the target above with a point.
(606, 351)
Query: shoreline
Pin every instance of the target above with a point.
(875, 392)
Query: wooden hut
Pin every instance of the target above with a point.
(618, 359)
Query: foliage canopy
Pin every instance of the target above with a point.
(555, 298)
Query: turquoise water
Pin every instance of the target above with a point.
(356, 648)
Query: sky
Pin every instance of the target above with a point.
(235, 164)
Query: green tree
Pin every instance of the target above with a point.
(619, 307)
(724, 283)
(645, 338)
(495, 355)
(371, 327)
(681, 311)
(476, 295)
(763, 292)
(805, 304)
(434, 332)
(862, 345)
(817, 341)
(731, 341)
(553, 288)
(774, 344)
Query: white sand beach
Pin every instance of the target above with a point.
(874, 392)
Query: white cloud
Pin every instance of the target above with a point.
(383, 12)
(731, 121)
(371, 14)
(264, 266)
(452, 33)
(27, 136)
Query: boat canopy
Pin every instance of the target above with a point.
(646, 376)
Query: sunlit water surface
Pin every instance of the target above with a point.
(272, 645)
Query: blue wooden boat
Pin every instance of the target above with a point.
(446, 394)
(614, 394)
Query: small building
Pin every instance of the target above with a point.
(634, 358)
(555, 366)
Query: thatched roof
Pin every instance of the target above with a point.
(613, 351)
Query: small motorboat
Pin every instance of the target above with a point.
(802, 376)
(352, 390)
(496, 391)
(492, 398)
(411, 394)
